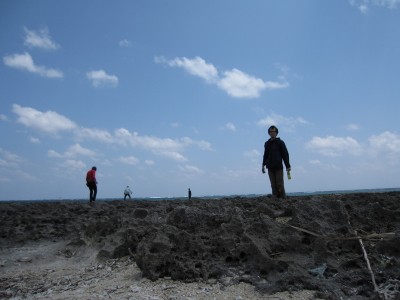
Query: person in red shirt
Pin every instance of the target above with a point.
(91, 183)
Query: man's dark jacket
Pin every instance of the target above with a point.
(274, 152)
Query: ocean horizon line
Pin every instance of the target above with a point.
(205, 197)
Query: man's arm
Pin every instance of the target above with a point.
(285, 155)
(265, 157)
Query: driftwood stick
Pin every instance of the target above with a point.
(356, 237)
(376, 289)
(368, 264)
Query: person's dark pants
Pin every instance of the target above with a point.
(277, 183)
(127, 195)
(93, 190)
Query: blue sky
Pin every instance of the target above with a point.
(167, 95)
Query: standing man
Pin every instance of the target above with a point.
(127, 192)
(189, 194)
(91, 183)
(274, 152)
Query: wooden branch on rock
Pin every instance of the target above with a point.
(356, 237)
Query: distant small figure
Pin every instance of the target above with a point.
(127, 192)
(91, 183)
(189, 194)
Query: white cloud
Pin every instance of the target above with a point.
(40, 39)
(95, 134)
(100, 78)
(253, 154)
(236, 83)
(353, 127)
(385, 146)
(385, 142)
(77, 149)
(287, 123)
(363, 8)
(334, 146)
(52, 122)
(171, 148)
(315, 162)
(125, 43)
(3, 117)
(4, 163)
(196, 66)
(172, 155)
(107, 163)
(230, 126)
(74, 165)
(241, 85)
(9, 159)
(34, 140)
(25, 62)
(149, 162)
(387, 3)
(53, 153)
(48, 121)
(10, 164)
(123, 133)
(73, 151)
(364, 5)
(191, 170)
(163, 146)
(129, 160)
(203, 145)
(22, 175)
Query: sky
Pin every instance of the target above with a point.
(169, 95)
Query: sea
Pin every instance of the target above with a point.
(207, 197)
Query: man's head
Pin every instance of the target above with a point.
(94, 168)
(273, 131)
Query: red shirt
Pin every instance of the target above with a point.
(91, 176)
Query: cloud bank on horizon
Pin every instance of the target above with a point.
(128, 102)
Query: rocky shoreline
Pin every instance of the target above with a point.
(261, 245)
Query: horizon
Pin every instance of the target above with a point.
(162, 106)
(217, 197)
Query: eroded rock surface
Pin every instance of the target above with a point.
(275, 245)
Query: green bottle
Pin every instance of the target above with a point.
(288, 175)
